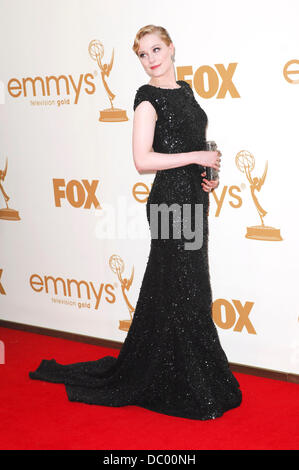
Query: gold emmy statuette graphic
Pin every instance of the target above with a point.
(245, 163)
(117, 266)
(2, 291)
(96, 52)
(7, 213)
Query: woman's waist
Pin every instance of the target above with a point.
(192, 169)
(182, 184)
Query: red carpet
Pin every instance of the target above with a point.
(37, 415)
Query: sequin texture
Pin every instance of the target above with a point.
(171, 361)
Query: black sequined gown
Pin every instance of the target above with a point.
(171, 361)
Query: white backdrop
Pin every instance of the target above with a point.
(71, 178)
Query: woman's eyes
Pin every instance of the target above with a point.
(153, 49)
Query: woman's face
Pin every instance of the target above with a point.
(153, 52)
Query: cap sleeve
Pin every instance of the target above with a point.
(145, 94)
(188, 87)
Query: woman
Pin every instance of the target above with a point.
(171, 361)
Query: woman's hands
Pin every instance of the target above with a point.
(208, 158)
(211, 159)
(209, 185)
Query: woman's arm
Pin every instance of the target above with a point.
(147, 160)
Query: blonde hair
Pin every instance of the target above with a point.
(151, 28)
